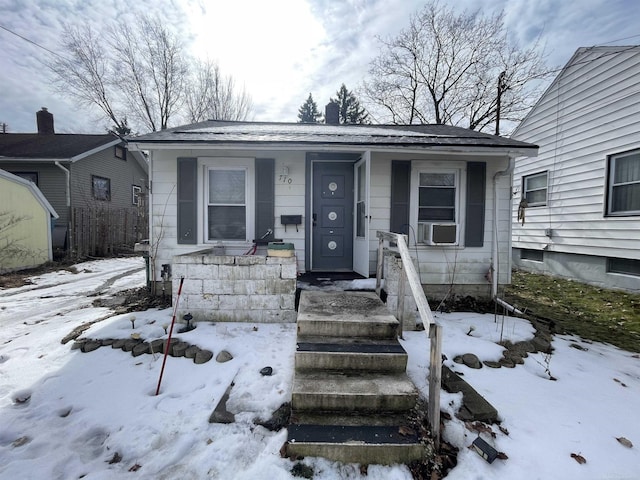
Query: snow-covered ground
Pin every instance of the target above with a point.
(67, 415)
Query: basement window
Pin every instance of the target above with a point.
(532, 255)
(625, 266)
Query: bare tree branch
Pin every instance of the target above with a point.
(444, 68)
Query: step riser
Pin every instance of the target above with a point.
(349, 418)
(329, 328)
(364, 362)
(338, 402)
(386, 454)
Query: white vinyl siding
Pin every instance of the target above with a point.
(588, 114)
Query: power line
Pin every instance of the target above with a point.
(31, 42)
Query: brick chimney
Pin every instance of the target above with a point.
(44, 119)
(332, 113)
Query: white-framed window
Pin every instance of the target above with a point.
(136, 192)
(228, 190)
(624, 184)
(534, 189)
(436, 196)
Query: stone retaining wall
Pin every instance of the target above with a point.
(245, 288)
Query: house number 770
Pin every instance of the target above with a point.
(285, 179)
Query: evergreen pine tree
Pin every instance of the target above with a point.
(308, 112)
(350, 109)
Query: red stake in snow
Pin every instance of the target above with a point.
(173, 321)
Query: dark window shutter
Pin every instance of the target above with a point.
(187, 201)
(265, 197)
(476, 192)
(400, 194)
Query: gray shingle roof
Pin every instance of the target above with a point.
(57, 146)
(223, 132)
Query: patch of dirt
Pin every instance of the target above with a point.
(137, 299)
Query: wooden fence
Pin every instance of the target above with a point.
(102, 231)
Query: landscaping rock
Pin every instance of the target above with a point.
(90, 346)
(140, 349)
(266, 372)
(178, 349)
(492, 364)
(223, 357)
(191, 352)
(157, 346)
(107, 341)
(203, 356)
(77, 345)
(471, 360)
(118, 343)
(458, 359)
(505, 362)
(129, 344)
(541, 344)
(515, 357)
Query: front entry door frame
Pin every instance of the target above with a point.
(325, 158)
(362, 185)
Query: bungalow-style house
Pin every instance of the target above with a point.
(94, 183)
(25, 224)
(326, 189)
(576, 208)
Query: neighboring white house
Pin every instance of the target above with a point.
(328, 188)
(25, 224)
(582, 217)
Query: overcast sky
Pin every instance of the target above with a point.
(280, 50)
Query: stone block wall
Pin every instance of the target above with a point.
(229, 288)
(392, 270)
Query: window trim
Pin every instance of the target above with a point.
(95, 178)
(525, 180)
(227, 163)
(610, 169)
(460, 172)
(136, 192)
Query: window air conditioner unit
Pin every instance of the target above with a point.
(439, 233)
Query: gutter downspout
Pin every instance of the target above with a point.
(68, 194)
(494, 246)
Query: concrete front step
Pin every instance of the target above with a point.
(354, 419)
(375, 327)
(345, 314)
(385, 445)
(364, 355)
(333, 391)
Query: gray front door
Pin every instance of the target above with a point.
(332, 216)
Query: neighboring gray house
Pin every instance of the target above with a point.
(326, 189)
(582, 213)
(94, 183)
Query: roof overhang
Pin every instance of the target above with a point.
(488, 150)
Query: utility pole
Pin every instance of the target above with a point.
(502, 86)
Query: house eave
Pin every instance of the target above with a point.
(487, 150)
